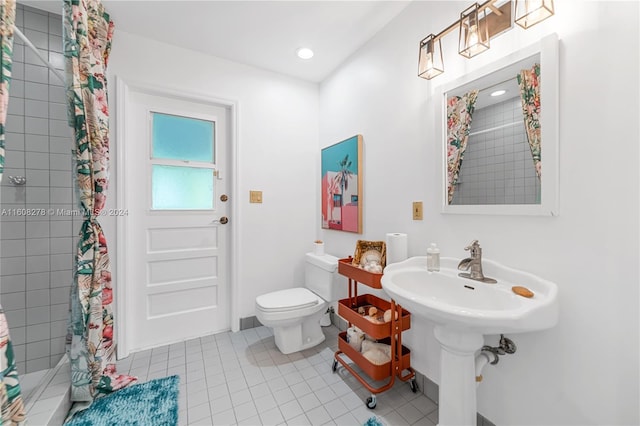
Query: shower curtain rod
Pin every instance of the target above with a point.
(37, 52)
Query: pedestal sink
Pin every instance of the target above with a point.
(464, 310)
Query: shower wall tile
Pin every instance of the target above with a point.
(38, 281)
(36, 20)
(39, 363)
(39, 38)
(60, 295)
(57, 93)
(60, 161)
(60, 145)
(57, 60)
(61, 262)
(13, 229)
(38, 264)
(36, 74)
(17, 71)
(59, 128)
(55, 43)
(55, 24)
(58, 111)
(36, 91)
(61, 245)
(12, 265)
(17, 89)
(59, 313)
(58, 178)
(13, 284)
(16, 107)
(38, 332)
(37, 160)
(38, 298)
(38, 177)
(14, 196)
(14, 301)
(55, 80)
(58, 345)
(35, 108)
(35, 350)
(61, 279)
(61, 195)
(37, 195)
(61, 228)
(39, 229)
(15, 124)
(59, 327)
(38, 315)
(37, 126)
(17, 318)
(18, 53)
(14, 141)
(18, 335)
(12, 248)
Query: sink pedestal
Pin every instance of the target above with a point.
(457, 405)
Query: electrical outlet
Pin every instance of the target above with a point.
(255, 197)
(417, 210)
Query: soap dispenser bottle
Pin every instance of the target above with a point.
(433, 258)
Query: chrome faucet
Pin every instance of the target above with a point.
(473, 264)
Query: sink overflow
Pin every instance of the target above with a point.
(469, 287)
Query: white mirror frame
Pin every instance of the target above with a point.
(548, 49)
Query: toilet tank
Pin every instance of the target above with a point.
(319, 275)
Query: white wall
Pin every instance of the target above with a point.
(277, 147)
(585, 370)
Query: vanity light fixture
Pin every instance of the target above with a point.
(498, 93)
(430, 60)
(304, 53)
(474, 31)
(531, 12)
(477, 26)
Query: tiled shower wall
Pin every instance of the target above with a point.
(36, 230)
(497, 166)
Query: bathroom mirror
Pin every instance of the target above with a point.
(500, 152)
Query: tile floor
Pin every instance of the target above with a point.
(241, 378)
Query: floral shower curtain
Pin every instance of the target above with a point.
(7, 22)
(11, 404)
(87, 41)
(529, 82)
(459, 112)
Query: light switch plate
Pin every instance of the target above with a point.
(417, 210)
(255, 197)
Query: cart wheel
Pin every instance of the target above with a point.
(334, 367)
(413, 385)
(371, 402)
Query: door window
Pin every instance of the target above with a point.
(182, 163)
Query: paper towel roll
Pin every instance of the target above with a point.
(397, 247)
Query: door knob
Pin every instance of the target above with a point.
(223, 221)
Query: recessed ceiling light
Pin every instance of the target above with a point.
(304, 53)
(499, 92)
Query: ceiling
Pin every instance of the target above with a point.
(263, 34)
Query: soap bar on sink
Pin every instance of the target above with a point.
(522, 291)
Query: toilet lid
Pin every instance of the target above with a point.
(287, 300)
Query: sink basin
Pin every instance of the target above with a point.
(462, 303)
(464, 310)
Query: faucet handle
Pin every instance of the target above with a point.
(473, 245)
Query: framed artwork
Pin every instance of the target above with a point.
(341, 177)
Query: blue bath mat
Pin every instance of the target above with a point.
(373, 421)
(152, 403)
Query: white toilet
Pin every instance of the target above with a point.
(295, 313)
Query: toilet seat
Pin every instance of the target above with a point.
(287, 300)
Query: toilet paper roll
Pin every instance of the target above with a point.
(397, 247)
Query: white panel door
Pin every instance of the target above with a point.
(177, 241)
